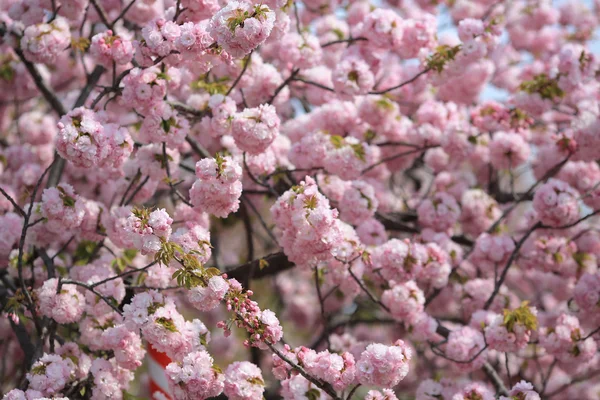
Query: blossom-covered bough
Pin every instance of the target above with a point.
(299, 199)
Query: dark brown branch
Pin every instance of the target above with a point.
(278, 262)
(349, 41)
(101, 13)
(512, 257)
(122, 14)
(246, 62)
(48, 94)
(314, 84)
(284, 84)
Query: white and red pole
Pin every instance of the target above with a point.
(157, 364)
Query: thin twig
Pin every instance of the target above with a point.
(512, 257)
(284, 83)
(349, 40)
(411, 80)
(246, 62)
(122, 14)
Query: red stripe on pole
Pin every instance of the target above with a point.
(159, 357)
(154, 388)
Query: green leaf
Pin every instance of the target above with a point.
(310, 203)
(67, 200)
(39, 369)
(262, 264)
(337, 141)
(237, 20)
(443, 55)
(163, 76)
(84, 252)
(166, 124)
(313, 394)
(161, 159)
(7, 73)
(203, 341)
(384, 103)
(522, 316)
(545, 86)
(256, 381)
(167, 323)
(153, 307)
(80, 44)
(338, 33)
(359, 151)
(370, 135)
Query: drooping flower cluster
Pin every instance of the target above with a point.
(556, 203)
(262, 326)
(511, 331)
(254, 129)
(43, 43)
(243, 381)
(307, 227)
(163, 326)
(195, 377)
(86, 140)
(385, 366)
(65, 306)
(107, 48)
(218, 188)
(335, 369)
(240, 27)
(147, 230)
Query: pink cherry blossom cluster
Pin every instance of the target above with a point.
(87, 140)
(308, 228)
(218, 188)
(408, 190)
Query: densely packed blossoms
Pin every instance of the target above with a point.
(144, 89)
(163, 124)
(556, 203)
(512, 330)
(523, 390)
(410, 189)
(50, 374)
(381, 365)
(107, 48)
(43, 43)
(439, 212)
(218, 188)
(405, 301)
(148, 230)
(205, 298)
(240, 27)
(243, 381)
(315, 235)
(359, 203)
(491, 252)
(85, 139)
(195, 377)
(399, 260)
(467, 347)
(567, 341)
(62, 208)
(126, 344)
(254, 129)
(64, 305)
(338, 370)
